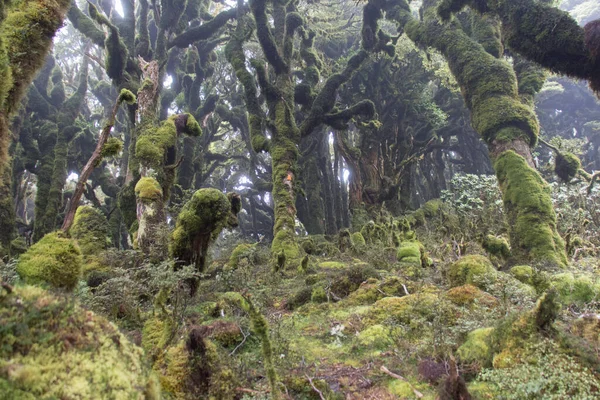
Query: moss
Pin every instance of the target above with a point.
(578, 289)
(375, 336)
(566, 166)
(496, 246)
(27, 33)
(318, 295)
(199, 223)
(410, 252)
(529, 211)
(476, 348)
(475, 270)
(152, 143)
(403, 309)
(90, 229)
(54, 260)
(48, 339)
(358, 240)
(112, 147)
(156, 335)
(126, 96)
(332, 265)
(468, 295)
(148, 190)
(242, 251)
(587, 327)
(523, 273)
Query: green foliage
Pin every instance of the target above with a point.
(54, 260)
(475, 270)
(576, 288)
(46, 337)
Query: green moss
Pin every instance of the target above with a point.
(358, 240)
(375, 336)
(148, 190)
(476, 348)
(54, 260)
(410, 252)
(496, 246)
(242, 251)
(126, 96)
(47, 339)
(318, 295)
(566, 166)
(475, 270)
(523, 273)
(332, 265)
(200, 222)
(112, 147)
(403, 309)
(530, 212)
(575, 289)
(18, 246)
(467, 295)
(152, 143)
(90, 229)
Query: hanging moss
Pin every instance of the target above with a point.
(566, 166)
(112, 147)
(200, 222)
(54, 260)
(91, 230)
(529, 211)
(47, 339)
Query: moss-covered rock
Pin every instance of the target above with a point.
(403, 309)
(90, 229)
(243, 251)
(575, 288)
(476, 348)
(410, 252)
(467, 295)
(523, 273)
(496, 246)
(47, 339)
(54, 260)
(476, 270)
(358, 240)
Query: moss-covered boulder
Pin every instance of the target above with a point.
(91, 230)
(476, 270)
(476, 348)
(496, 246)
(523, 273)
(54, 260)
(468, 295)
(53, 349)
(242, 252)
(403, 309)
(575, 288)
(410, 252)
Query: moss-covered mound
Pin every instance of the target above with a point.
(90, 229)
(475, 270)
(54, 260)
(200, 222)
(53, 349)
(496, 246)
(566, 166)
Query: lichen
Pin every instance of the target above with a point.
(54, 260)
